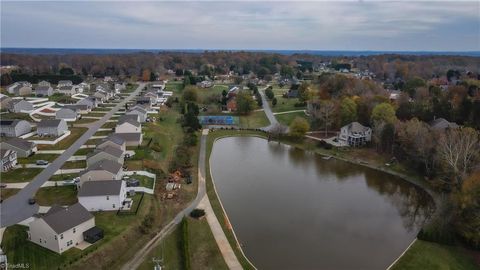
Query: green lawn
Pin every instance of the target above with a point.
(103, 133)
(85, 120)
(285, 104)
(19, 250)
(426, 255)
(77, 164)
(20, 175)
(287, 118)
(8, 192)
(203, 250)
(62, 177)
(34, 158)
(83, 151)
(61, 195)
(61, 98)
(20, 116)
(76, 132)
(109, 125)
(205, 93)
(96, 114)
(254, 120)
(145, 181)
(175, 86)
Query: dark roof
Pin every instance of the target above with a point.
(138, 108)
(20, 143)
(5, 152)
(127, 120)
(357, 127)
(76, 106)
(114, 138)
(442, 123)
(126, 117)
(113, 151)
(73, 110)
(10, 122)
(129, 137)
(49, 123)
(66, 88)
(61, 219)
(42, 88)
(105, 165)
(100, 188)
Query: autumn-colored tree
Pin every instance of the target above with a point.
(190, 94)
(467, 223)
(383, 112)
(348, 111)
(298, 128)
(146, 75)
(245, 102)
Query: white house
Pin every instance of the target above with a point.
(107, 195)
(355, 134)
(67, 114)
(52, 127)
(128, 126)
(102, 170)
(61, 228)
(141, 112)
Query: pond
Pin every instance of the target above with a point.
(291, 209)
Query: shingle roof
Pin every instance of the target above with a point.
(100, 188)
(357, 127)
(130, 121)
(115, 138)
(42, 88)
(49, 123)
(5, 152)
(104, 165)
(125, 117)
(113, 151)
(139, 109)
(442, 123)
(11, 122)
(61, 219)
(20, 143)
(130, 137)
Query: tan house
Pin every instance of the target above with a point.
(109, 152)
(113, 140)
(102, 170)
(128, 126)
(61, 228)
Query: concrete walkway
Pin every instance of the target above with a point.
(21, 185)
(294, 111)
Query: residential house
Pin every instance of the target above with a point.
(355, 134)
(79, 108)
(61, 228)
(119, 87)
(131, 139)
(20, 106)
(4, 101)
(23, 147)
(91, 102)
(20, 89)
(126, 125)
(144, 101)
(102, 170)
(66, 90)
(108, 152)
(67, 114)
(141, 112)
(14, 128)
(108, 195)
(64, 83)
(442, 124)
(233, 91)
(52, 127)
(205, 84)
(44, 83)
(158, 87)
(113, 140)
(100, 96)
(153, 96)
(8, 159)
(232, 104)
(43, 91)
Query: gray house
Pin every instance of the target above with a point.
(14, 128)
(113, 140)
(4, 101)
(108, 152)
(102, 170)
(66, 90)
(132, 139)
(67, 114)
(43, 91)
(23, 147)
(20, 105)
(43, 83)
(89, 101)
(52, 127)
(64, 83)
(141, 112)
(79, 108)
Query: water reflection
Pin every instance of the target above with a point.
(294, 210)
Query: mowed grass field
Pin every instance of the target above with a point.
(432, 256)
(256, 119)
(287, 118)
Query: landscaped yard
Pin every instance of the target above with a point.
(77, 164)
(61, 195)
(8, 192)
(254, 120)
(85, 120)
(32, 159)
(62, 177)
(203, 251)
(20, 116)
(174, 86)
(285, 104)
(76, 132)
(20, 175)
(84, 151)
(145, 181)
(287, 118)
(109, 125)
(426, 255)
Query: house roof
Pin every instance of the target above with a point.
(68, 110)
(357, 127)
(442, 123)
(130, 137)
(66, 88)
(5, 152)
(113, 151)
(76, 106)
(61, 219)
(65, 82)
(49, 123)
(100, 188)
(126, 117)
(20, 143)
(115, 138)
(11, 122)
(104, 165)
(128, 120)
(139, 109)
(42, 88)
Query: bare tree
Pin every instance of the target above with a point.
(278, 130)
(325, 112)
(459, 149)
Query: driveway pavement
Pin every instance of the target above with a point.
(268, 111)
(16, 208)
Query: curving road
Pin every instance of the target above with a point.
(268, 111)
(16, 208)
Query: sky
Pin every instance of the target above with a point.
(314, 25)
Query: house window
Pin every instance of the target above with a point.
(108, 198)
(113, 205)
(74, 230)
(56, 237)
(61, 236)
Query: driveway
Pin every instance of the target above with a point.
(268, 111)
(16, 208)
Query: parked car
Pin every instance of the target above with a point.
(42, 162)
(31, 201)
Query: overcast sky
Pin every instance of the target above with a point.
(351, 25)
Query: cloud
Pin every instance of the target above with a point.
(243, 25)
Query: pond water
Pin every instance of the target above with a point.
(291, 209)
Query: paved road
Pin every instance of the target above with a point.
(268, 111)
(16, 208)
(141, 254)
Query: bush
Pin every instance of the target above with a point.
(300, 104)
(197, 213)
(323, 144)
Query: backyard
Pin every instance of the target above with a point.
(256, 119)
(76, 132)
(61, 195)
(20, 175)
